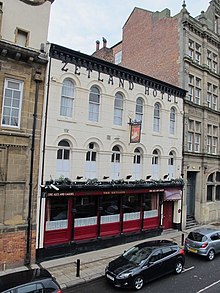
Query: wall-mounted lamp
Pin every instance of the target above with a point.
(148, 177)
(79, 177)
(128, 176)
(105, 177)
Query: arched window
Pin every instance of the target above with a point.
(91, 161)
(137, 164)
(94, 103)
(67, 98)
(213, 186)
(115, 160)
(139, 110)
(172, 120)
(171, 164)
(155, 164)
(118, 109)
(156, 123)
(63, 159)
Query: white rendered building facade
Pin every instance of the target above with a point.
(106, 124)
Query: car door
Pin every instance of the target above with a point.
(152, 268)
(168, 260)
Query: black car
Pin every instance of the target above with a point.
(145, 262)
(31, 281)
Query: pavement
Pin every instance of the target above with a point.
(93, 263)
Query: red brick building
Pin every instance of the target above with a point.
(184, 50)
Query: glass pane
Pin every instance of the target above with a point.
(111, 205)
(85, 206)
(131, 203)
(57, 209)
(13, 85)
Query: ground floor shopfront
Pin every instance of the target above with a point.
(83, 217)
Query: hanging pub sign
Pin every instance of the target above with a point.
(135, 134)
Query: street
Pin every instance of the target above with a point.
(199, 276)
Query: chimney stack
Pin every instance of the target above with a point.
(104, 42)
(97, 45)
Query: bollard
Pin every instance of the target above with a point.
(78, 268)
(182, 240)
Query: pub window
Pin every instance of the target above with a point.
(110, 205)
(56, 213)
(86, 207)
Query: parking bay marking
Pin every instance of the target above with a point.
(188, 269)
(213, 284)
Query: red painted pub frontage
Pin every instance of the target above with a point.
(79, 217)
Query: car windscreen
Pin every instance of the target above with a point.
(137, 254)
(196, 236)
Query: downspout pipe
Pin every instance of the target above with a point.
(27, 260)
(43, 151)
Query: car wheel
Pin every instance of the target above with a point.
(211, 255)
(138, 283)
(178, 267)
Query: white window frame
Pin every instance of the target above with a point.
(214, 145)
(172, 120)
(139, 109)
(156, 122)
(190, 141)
(208, 145)
(118, 109)
(67, 98)
(12, 104)
(197, 143)
(94, 103)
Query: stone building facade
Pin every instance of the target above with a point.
(23, 67)
(184, 50)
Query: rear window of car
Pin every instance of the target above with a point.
(196, 236)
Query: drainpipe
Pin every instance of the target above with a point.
(184, 119)
(27, 260)
(43, 151)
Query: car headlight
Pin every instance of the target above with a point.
(106, 268)
(123, 275)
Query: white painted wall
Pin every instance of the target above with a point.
(80, 132)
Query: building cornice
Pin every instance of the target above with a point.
(36, 2)
(95, 64)
(17, 53)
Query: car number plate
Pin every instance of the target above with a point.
(192, 250)
(109, 277)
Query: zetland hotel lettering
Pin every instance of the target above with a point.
(116, 75)
(131, 84)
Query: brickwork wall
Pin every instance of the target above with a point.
(13, 249)
(150, 45)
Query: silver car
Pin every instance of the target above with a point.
(203, 241)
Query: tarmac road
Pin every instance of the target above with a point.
(199, 276)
